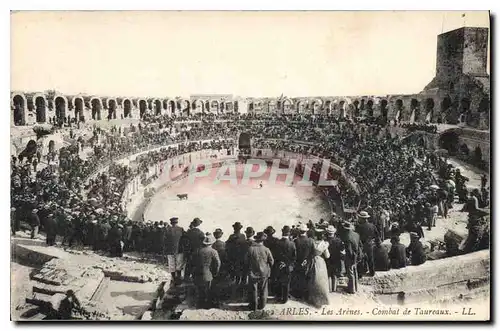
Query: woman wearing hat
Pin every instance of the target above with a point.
(318, 287)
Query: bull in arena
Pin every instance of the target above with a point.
(182, 196)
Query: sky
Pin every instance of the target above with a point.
(169, 54)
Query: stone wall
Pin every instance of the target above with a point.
(434, 274)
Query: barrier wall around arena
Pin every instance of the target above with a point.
(136, 195)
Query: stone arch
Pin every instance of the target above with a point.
(19, 104)
(414, 110)
(150, 104)
(287, 105)
(127, 108)
(399, 105)
(78, 107)
(446, 103)
(228, 106)
(198, 106)
(341, 109)
(449, 140)
(214, 106)
(61, 107)
(96, 108)
(356, 108)
(236, 106)
(251, 106)
(272, 106)
(327, 109)
(143, 107)
(369, 108)
(362, 105)
(445, 108)
(111, 104)
(185, 107)
(384, 111)
(301, 106)
(40, 103)
(429, 109)
(157, 106)
(172, 107)
(316, 106)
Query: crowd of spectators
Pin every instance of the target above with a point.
(401, 186)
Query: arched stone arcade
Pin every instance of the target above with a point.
(127, 108)
(40, 104)
(19, 105)
(61, 108)
(112, 106)
(96, 108)
(78, 108)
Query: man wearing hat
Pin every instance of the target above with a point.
(397, 254)
(334, 262)
(305, 254)
(415, 250)
(259, 261)
(114, 240)
(175, 257)
(195, 237)
(34, 222)
(50, 230)
(367, 233)
(286, 255)
(380, 256)
(206, 264)
(271, 243)
(353, 252)
(220, 247)
(234, 247)
(14, 222)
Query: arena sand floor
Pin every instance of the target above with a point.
(221, 204)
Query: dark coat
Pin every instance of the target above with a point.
(173, 236)
(206, 264)
(271, 243)
(220, 247)
(104, 230)
(195, 237)
(285, 257)
(381, 258)
(259, 261)
(335, 248)
(51, 227)
(34, 220)
(416, 251)
(305, 252)
(367, 231)
(398, 256)
(235, 246)
(352, 246)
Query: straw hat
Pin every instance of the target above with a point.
(303, 228)
(209, 240)
(363, 214)
(331, 229)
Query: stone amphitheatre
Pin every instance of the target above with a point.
(448, 118)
